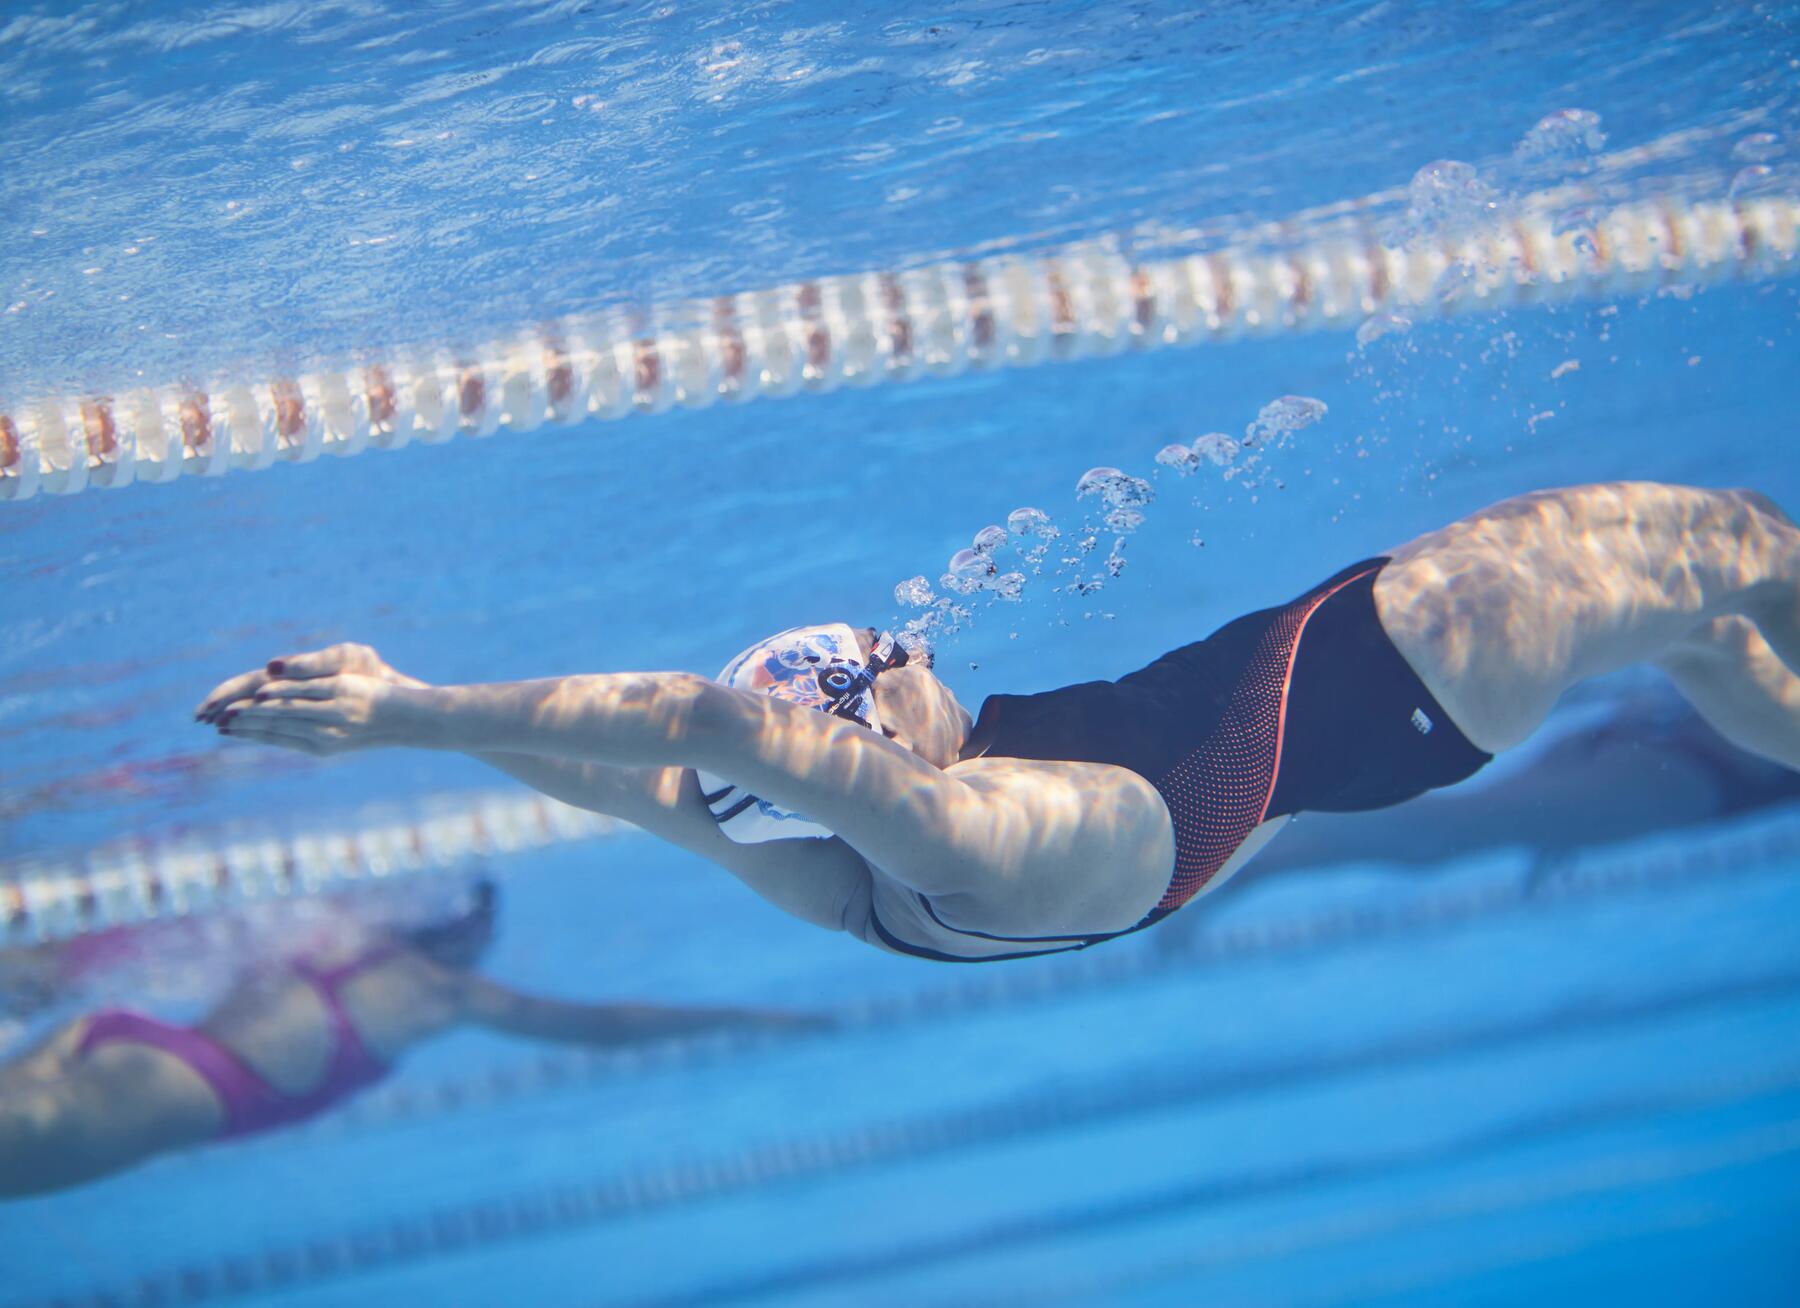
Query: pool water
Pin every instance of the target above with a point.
(1349, 1084)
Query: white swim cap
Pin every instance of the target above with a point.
(816, 667)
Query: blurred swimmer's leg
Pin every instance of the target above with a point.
(68, 1117)
(1501, 612)
(1728, 671)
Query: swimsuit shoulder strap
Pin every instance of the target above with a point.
(352, 1060)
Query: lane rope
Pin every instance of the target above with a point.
(133, 882)
(944, 318)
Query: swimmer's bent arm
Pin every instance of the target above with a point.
(878, 796)
(1003, 841)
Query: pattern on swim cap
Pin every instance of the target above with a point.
(1220, 792)
(785, 665)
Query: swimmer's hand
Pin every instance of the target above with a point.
(324, 702)
(334, 659)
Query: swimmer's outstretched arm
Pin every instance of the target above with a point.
(1010, 835)
(878, 795)
(592, 786)
(821, 882)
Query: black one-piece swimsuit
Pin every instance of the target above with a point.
(1305, 706)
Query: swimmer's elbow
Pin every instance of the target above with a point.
(714, 713)
(855, 909)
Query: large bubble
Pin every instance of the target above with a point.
(988, 539)
(968, 572)
(1179, 457)
(1280, 419)
(1034, 531)
(1446, 197)
(1217, 449)
(914, 593)
(1568, 139)
(1120, 492)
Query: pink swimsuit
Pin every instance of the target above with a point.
(250, 1103)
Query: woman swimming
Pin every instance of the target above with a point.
(115, 1088)
(1056, 820)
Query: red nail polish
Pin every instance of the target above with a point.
(276, 667)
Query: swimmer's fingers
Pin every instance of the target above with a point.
(337, 713)
(285, 710)
(327, 662)
(296, 728)
(323, 688)
(336, 659)
(319, 664)
(226, 692)
(333, 660)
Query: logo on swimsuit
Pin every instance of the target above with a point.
(1421, 722)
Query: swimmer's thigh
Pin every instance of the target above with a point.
(1502, 611)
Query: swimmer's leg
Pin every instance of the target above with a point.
(98, 1115)
(1728, 671)
(1501, 612)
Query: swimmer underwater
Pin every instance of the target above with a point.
(291, 1039)
(1057, 820)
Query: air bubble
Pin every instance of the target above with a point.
(987, 540)
(1121, 493)
(1009, 586)
(915, 592)
(1569, 137)
(1752, 181)
(1281, 418)
(1035, 525)
(945, 618)
(1178, 457)
(1453, 281)
(1379, 325)
(1117, 490)
(968, 572)
(1758, 147)
(1447, 195)
(1217, 449)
